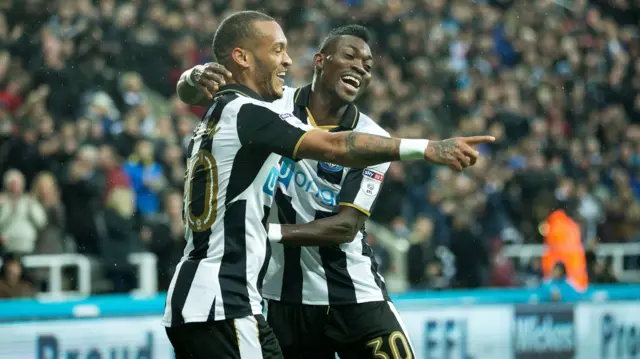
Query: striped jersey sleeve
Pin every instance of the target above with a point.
(361, 187)
(261, 127)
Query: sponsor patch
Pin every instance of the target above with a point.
(285, 116)
(376, 176)
(371, 182)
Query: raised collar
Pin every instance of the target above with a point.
(349, 119)
(240, 90)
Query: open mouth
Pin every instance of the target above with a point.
(351, 82)
(281, 75)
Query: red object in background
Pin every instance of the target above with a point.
(11, 101)
(197, 110)
(502, 270)
(116, 178)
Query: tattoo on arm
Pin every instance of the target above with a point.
(444, 149)
(371, 149)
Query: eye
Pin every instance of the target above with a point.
(349, 56)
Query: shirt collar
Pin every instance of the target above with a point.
(349, 119)
(239, 89)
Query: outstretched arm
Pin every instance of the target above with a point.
(341, 228)
(198, 85)
(285, 135)
(357, 150)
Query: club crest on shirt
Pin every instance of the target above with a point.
(285, 116)
(331, 167)
(371, 182)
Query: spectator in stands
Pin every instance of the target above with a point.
(502, 268)
(163, 235)
(532, 276)
(559, 287)
(82, 190)
(111, 166)
(600, 270)
(13, 281)
(146, 177)
(118, 240)
(173, 165)
(52, 238)
(472, 256)
(380, 253)
(424, 267)
(125, 141)
(21, 216)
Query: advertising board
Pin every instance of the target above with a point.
(608, 330)
(104, 338)
(460, 332)
(544, 331)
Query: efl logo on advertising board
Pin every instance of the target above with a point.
(446, 338)
(544, 331)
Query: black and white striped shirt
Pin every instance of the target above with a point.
(308, 190)
(231, 154)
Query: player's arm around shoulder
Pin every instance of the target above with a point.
(199, 85)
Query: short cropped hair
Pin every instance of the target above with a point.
(350, 30)
(235, 31)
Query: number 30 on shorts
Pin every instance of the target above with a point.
(395, 338)
(202, 165)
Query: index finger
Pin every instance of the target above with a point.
(476, 140)
(219, 69)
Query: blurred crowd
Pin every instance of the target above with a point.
(92, 136)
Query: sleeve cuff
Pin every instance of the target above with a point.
(364, 211)
(275, 233)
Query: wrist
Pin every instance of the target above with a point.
(274, 233)
(188, 78)
(413, 149)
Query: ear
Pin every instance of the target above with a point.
(241, 57)
(318, 61)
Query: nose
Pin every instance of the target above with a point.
(287, 60)
(359, 68)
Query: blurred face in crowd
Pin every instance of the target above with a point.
(14, 183)
(145, 151)
(14, 270)
(268, 61)
(174, 204)
(558, 272)
(131, 124)
(424, 226)
(106, 157)
(173, 154)
(345, 67)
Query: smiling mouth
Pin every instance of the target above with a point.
(351, 82)
(281, 75)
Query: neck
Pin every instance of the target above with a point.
(243, 78)
(327, 109)
(240, 78)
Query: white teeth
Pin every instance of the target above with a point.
(281, 74)
(351, 78)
